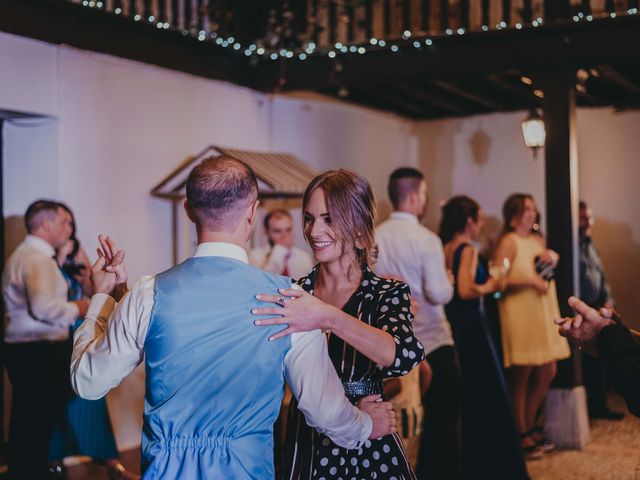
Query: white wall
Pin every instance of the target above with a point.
(483, 157)
(123, 126)
(329, 135)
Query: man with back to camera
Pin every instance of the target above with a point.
(412, 252)
(214, 381)
(36, 331)
(280, 256)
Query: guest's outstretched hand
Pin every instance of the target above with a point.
(583, 329)
(382, 415)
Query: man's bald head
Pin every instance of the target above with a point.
(219, 190)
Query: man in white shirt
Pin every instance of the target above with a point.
(410, 251)
(280, 256)
(38, 317)
(214, 381)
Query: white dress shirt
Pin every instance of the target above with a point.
(413, 253)
(110, 344)
(35, 295)
(274, 259)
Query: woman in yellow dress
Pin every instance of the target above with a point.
(530, 342)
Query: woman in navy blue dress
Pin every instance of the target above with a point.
(490, 443)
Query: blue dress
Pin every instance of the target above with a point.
(490, 442)
(86, 430)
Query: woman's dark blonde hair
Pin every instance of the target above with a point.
(513, 208)
(352, 208)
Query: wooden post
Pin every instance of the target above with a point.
(527, 11)
(386, 12)
(561, 167)
(610, 6)
(506, 12)
(351, 27)
(333, 24)
(426, 15)
(369, 19)
(316, 30)
(485, 12)
(444, 15)
(566, 404)
(406, 15)
(561, 186)
(463, 17)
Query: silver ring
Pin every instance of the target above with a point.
(281, 301)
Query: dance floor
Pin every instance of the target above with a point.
(613, 454)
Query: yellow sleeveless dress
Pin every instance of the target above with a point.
(529, 336)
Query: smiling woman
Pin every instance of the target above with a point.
(367, 320)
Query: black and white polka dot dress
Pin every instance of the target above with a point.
(382, 304)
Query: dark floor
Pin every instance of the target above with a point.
(81, 469)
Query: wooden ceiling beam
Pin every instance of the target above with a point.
(524, 94)
(423, 95)
(532, 49)
(395, 102)
(466, 94)
(614, 76)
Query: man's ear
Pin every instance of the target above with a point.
(253, 212)
(411, 199)
(188, 211)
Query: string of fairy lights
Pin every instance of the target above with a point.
(409, 40)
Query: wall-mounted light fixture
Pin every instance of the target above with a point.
(533, 131)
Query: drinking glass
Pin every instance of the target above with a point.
(498, 269)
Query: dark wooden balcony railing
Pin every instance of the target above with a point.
(281, 27)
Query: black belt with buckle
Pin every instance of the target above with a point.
(357, 390)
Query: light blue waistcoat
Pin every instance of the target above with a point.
(214, 382)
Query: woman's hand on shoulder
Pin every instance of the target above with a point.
(298, 310)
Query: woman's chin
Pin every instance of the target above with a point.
(325, 255)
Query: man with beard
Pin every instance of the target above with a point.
(595, 292)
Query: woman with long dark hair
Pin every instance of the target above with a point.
(490, 445)
(367, 320)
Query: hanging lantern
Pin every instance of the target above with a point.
(533, 130)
